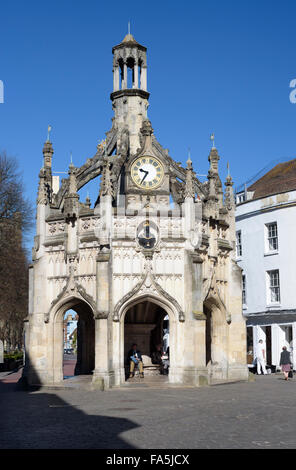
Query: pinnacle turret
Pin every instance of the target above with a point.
(229, 197)
(106, 183)
(189, 187)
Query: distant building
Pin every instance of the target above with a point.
(70, 325)
(266, 251)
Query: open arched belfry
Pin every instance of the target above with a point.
(157, 244)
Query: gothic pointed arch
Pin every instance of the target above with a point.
(71, 291)
(147, 286)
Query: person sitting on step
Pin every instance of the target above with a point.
(156, 358)
(135, 358)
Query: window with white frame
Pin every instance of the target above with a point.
(244, 292)
(272, 236)
(239, 250)
(273, 278)
(240, 198)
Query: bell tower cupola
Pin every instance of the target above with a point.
(130, 97)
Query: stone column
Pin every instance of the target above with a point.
(237, 348)
(235, 328)
(200, 349)
(115, 78)
(124, 79)
(143, 85)
(118, 352)
(136, 76)
(101, 378)
(194, 368)
(103, 284)
(197, 282)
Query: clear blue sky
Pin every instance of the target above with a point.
(213, 66)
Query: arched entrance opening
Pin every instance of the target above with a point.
(70, 343)
(147, 324)
(77, 340)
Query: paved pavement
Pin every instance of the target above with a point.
(69, 365)
(260, 415)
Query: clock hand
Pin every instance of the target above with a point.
(146, 173)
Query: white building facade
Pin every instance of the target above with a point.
(266, 252)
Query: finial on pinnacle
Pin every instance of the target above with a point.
(228, 178)
(71, 160)
(189, 161)
(212, 137)
(129, 28)
(87, 200)
(48, 133)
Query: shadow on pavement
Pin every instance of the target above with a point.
(36, 420)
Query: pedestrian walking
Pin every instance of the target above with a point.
(260, 355)
(285, 362)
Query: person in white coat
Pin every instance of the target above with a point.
(260, 355)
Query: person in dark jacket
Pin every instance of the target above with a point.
(134, 357)
(156, 357)
(285, 362)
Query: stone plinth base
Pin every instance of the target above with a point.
(102, 380)
(238, 372)
(191, 376)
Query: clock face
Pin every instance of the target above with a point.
(147, 172)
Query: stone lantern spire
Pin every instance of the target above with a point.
(129, 54)
(130, 96)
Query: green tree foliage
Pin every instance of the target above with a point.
(15, 220)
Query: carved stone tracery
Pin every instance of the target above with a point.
(147, 286)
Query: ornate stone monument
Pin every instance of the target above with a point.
(157, 243)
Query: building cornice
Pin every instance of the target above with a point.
(263, 210)
(129, 92)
